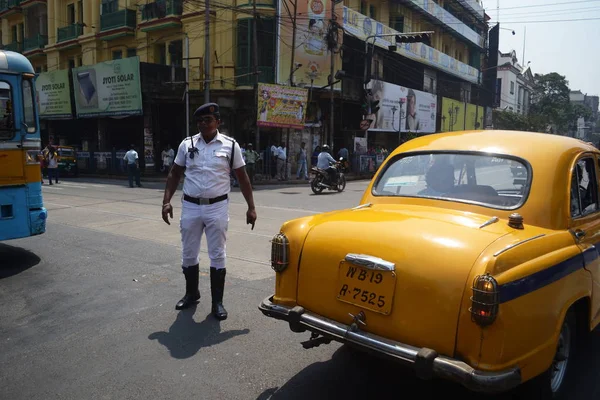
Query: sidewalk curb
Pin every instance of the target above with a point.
(271, 182)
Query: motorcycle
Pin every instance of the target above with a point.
(321, 179)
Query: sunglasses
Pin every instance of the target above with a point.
(206, 120)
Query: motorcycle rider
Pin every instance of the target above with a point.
(323, 163)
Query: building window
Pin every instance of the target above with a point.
(71, 63)
(80, 61)
(512, 88)
(266, 39)
(363, 7)
(372, 12)
(71, 14)
(161, 54)
(117, 54)
(14, 33)
(131, 52)
(397, 23)
(110, 6)
(176, 52)
(80, 11)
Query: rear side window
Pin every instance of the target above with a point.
(584, 188)
(7, 125)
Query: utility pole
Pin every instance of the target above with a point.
(206, 51)
(292, 66)
(524, 36)
(255, 58)
(331, 72)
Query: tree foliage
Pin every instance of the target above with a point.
(550, 109)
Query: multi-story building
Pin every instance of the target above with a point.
(515, 84)
(585, 127)
(447, 66)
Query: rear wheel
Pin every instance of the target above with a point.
(314, 185)
(555, 382)
(341, 183)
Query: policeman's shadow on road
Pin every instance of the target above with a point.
(186, 336)
(14, 260)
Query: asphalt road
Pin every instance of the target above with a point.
(87, 309)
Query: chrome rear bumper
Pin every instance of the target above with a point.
(426, 362)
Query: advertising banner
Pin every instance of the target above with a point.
(362, 26)
(311, 43)
(402, 109)
(281, 106)
(457, 117)
(54, 95)
(108, 89)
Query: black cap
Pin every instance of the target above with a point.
(207, 109)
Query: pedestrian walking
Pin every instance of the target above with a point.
(252, 158)
(133, 168)
(281, 162)
(207, 160)
(52, 161)
(302, 169)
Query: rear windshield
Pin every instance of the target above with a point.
(491, 181)
(6, 112)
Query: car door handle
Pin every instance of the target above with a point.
(579, 234)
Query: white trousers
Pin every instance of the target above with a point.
(197, 219)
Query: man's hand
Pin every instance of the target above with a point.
(250, 217)
(168, 210)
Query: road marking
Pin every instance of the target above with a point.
(52, 187)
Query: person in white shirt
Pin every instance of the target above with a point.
(281, 158)
(132, 159)
(167, 157)
(206, 159)
(323, 162)
(52, 155)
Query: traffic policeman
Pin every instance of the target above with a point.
(206, 159)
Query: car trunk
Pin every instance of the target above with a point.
(418, 303)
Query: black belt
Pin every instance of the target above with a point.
(201, 201)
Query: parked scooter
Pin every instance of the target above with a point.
(322, 179)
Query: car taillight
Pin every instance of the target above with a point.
(484, 302)
(280, 252)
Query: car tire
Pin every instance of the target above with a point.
(557, 380)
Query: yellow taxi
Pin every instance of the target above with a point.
(67, 160)
(452, 265)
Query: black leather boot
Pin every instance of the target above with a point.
(217, 287)
(192, 294)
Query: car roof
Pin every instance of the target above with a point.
(551, 157)
(531, 146)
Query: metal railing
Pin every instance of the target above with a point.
(267, 75)
(162, 9)
(69, 32)
(36, 42)
(118, 19)
(14, 3)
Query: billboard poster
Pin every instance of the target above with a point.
(108, 89)
(54, 95)
(458, 116)
(281, 106)
(361, 27)
(402, 109)
(311, 53)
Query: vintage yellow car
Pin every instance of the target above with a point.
(452, 265)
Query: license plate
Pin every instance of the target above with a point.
(366, 288)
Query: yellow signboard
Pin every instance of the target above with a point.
(281, 106)
(457, 117)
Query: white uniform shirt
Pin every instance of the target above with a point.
(131, 156)
(207, 175)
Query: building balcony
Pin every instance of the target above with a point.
(35, 43)
(474, 8)
(117, 24)
(449, 21)
(14, 46)
(8, 7)
(69, 32)
(161, 14)
(267, 75)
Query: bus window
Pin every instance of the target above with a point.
(29, 106)
(6, 112)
